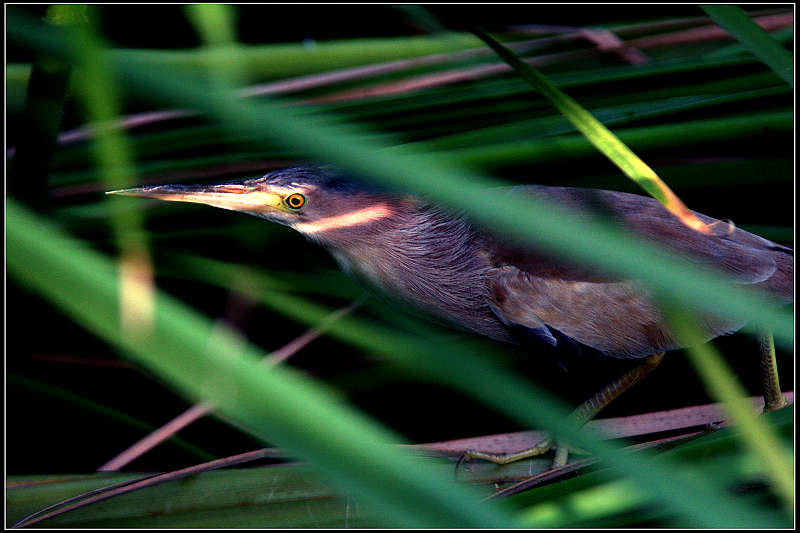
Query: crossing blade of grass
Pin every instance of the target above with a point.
(724, 386)
(276, 404)
(459, 366)
(754, 38)
(601, 137)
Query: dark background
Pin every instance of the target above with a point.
(47, 434)
(165, 26)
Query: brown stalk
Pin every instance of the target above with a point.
(629, 50)
(198, 411)
(612, 427)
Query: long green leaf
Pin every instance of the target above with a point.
(724, 387)
(601, 137)
(277, 404)
(456, 365)
(754, 38)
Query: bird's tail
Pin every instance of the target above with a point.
(781, 283)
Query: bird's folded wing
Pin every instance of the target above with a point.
(745, 258)
(617, 318)
(554, 298)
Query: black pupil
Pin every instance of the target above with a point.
(295, 201)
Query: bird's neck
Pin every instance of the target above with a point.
(400, 249)
(425, 256)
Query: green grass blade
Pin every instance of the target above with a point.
(754, 38)
(724, 387)
(600, 136)
(276, 404)
(459, 366)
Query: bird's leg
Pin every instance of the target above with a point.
(589, 409)
(585, 412)
(773, 398)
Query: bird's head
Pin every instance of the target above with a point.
(319, 202)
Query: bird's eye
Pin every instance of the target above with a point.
(296, 200)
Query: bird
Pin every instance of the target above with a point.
(451, 268)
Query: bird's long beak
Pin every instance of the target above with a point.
(232, 196)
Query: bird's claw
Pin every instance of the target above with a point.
(562, 451)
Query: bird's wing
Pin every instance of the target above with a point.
(552, 299)
(617, 318)
(744, 257)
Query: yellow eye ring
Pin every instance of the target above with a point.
(295, 201)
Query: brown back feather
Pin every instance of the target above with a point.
(615, 316)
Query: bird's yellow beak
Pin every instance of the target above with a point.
(234, 197)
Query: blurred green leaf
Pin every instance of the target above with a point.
(272, 496)
(754, 38)
(276, 403)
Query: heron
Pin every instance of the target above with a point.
(446, 265)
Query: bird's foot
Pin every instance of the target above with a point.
(562, 451)
(773, 404)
